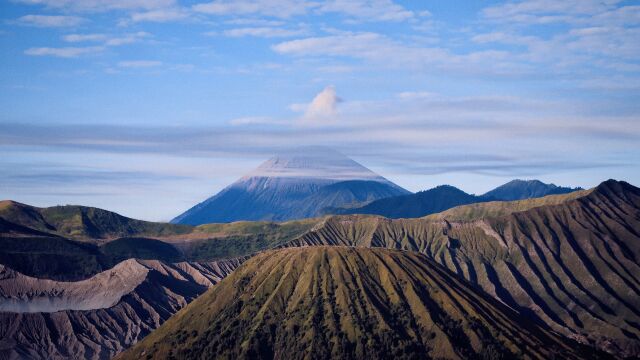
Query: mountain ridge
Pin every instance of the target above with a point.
(526, 189)
(420, 204)
(83, 222)
(444, 197)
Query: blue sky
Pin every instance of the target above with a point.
(147, 107)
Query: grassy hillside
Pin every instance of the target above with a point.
(52, 257)
(84, 223)
(222, 241)
(43, 254)
(338, 302)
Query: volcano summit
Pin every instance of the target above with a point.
(293, 185)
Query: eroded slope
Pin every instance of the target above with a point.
(573, 265)
(147, 292)
(349, 303)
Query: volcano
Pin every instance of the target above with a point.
(293, 185)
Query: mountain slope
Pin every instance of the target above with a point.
(527, 189)
(82, 222)
(574, 265)
(492, 209)
(338, 302)
(100, 316)
(292, 185)
(50, 256)
(415, 205)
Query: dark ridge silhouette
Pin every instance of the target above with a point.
(527, 189)
(83, 223)
(415, 205)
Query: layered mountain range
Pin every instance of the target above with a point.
(553, 276)
(444, 197)
(315, 181)
(567, 262)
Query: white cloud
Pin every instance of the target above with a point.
(362, 10)
(575, 12)
(367, 10)
(50, 20)
(139, 63)
(126, 39)
(161, 15)
(101, 5)
(64, 52)
(412, 95)
(323, 107)
(376, 48)
(257, 120)
(275, 8)
(73, 52)
(73, 38)
(255, 22)
(266, 32)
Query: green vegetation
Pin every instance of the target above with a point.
(52, 257)
(85, 223)
(140, 248)
(62, 259)
(39, 254)
(243, 238)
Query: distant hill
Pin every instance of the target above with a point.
(76, 242)
(414, 205)
(293, 185)
(349, 303)
(82, 222)
(527, 189)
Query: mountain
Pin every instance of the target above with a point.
(571, 261)
(526, 189)
(444, 197)
(293, 185)
(100, 316)
(82, 222)
(567, 261)
(349, 303)
(415, 205)
(49, 256)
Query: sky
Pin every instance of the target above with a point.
(147, 107)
